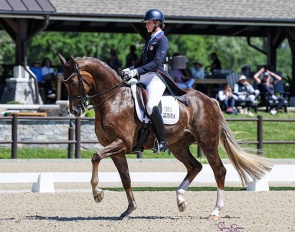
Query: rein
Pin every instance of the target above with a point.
(83, 97)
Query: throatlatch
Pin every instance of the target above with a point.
(157, 120)
(142, 137)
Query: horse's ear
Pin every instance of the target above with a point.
(72, 63)
(62, 61)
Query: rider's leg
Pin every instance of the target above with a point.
(155, 88)
(142, 137)
(160, 129)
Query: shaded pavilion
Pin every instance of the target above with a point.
(272, 19)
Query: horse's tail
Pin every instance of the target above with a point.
(244, 162)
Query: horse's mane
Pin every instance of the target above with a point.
(96, 60)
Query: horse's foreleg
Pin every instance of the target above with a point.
(97, 192)
(115, 148)
(193, 168)
(219, 174)
(122, 166)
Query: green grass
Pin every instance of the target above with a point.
(244, 131)
(272, 131)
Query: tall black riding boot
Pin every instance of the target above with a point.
(142, 137)
(157, 120)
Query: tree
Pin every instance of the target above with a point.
(232, 51)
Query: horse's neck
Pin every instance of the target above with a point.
(110, 91)
(116, 105)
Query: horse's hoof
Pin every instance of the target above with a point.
(98, 197)
(124, 217)
(213, 217)
(182, 206)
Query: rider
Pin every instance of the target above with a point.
(150, 62)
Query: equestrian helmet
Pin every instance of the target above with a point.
(155, 15)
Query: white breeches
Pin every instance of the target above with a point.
(155, 88)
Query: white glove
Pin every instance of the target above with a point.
(126, 70)
(132, 73)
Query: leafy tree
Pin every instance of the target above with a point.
(49, 44)
(232, 51)
(7, 50)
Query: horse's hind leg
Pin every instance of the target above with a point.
(122, 166)
(193, 168)
(219, 174)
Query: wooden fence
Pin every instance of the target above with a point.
(74, 134)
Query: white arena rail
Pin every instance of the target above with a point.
(44, 182)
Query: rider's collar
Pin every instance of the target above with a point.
(155, 34)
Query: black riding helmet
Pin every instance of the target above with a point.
(155, 15)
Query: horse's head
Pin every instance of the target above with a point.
(78, 83)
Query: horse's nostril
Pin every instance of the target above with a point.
(74, 112)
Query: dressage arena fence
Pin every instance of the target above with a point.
(44, 181)
(72, 133)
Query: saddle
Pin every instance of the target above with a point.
(142, 95)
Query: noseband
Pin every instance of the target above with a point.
(83, 97)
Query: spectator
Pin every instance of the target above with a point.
(198, 73)
(48, 76)
(131, 58)
(114, 62)
(215, 62)
(227, 100)
(266, 88)
(183, 77)
(245, 92)
(197, 70)
(42, 82)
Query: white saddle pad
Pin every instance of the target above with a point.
(169, 110)
(169, 107)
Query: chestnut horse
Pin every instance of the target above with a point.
(116, 127)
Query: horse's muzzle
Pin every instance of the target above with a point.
(77, 110)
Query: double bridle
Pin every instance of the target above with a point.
(83, 96)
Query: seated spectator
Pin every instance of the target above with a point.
(198, 73)
(183, 78)
(46, 84)
(266, 88)
(245, 92)
(197, 70)
(48, 77)
(227, 100)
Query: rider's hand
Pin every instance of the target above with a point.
(126, 70)
(132, 73)
(124, 74)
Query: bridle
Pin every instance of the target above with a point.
(83, 96)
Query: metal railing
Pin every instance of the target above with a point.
(74, 134)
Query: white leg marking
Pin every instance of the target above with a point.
(180, 196)
(181, 203)
(219, 203)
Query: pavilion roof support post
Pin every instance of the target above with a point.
(10, 26)
(140, 29)
(42, 27)
(168, 28)
(271, 51)
(20, 44)
(290, 33)
(255, 47)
